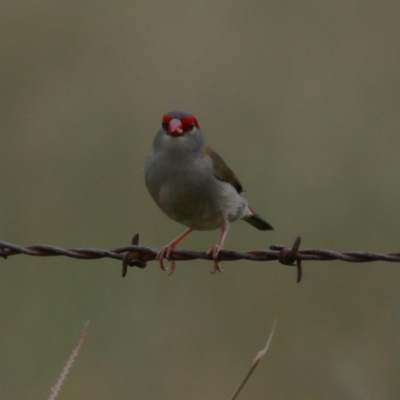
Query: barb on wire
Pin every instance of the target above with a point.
(138, 256)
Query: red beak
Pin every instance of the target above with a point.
(175, 128)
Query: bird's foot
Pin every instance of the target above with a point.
(214, 251)
(165, 252)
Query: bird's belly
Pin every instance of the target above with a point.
(191, 207)
(200, 209)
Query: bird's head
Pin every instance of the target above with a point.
(179, 132)
(178, 123)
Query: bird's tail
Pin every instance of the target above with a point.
(258, 222)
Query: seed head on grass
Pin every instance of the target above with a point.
(258, 358)
(55, 390)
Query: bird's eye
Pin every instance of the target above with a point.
(164, 125)
(191, 125)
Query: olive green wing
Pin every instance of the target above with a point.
(222, 171)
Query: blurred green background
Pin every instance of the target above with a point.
(300, 98)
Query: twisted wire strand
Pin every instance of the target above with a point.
(135, 255)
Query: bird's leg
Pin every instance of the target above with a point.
(218, 247)
(165, 252)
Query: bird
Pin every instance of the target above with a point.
(193, 185)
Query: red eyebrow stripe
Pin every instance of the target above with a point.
(187, 121)
(166, 119)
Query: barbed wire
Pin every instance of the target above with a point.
(138, 256)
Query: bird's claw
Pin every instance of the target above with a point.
(165, 252)
(214, 251)
(169, 270)
(216, 268)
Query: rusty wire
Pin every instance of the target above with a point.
(138, 256)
